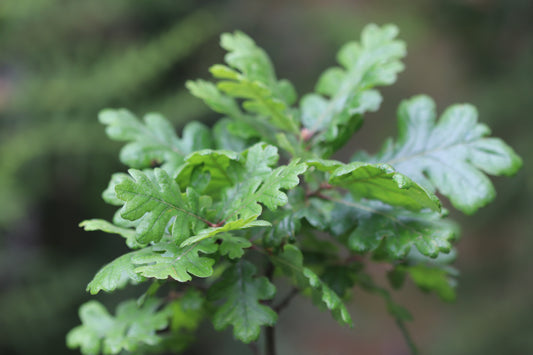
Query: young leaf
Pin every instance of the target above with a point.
(244, 200)
(372, 62)
(382, 183)
(238, 224)
(290, 261)
(154, 141)
(253, 79)
(165, 260)
(115, 275)
(449, 156)
(379, 182)
(233, 246)
(157, 201)
(241, 294)
(132, 327)
(245, 56)
(390, 232)
(217, 166)
(110, 195)
(248, 126)
(431, 278)
(226, 168)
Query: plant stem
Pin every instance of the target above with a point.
(407, 337)
(254, 348)
(270, 343)
(285, 302)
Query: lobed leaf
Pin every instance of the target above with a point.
(164, 260)
(390, 232)
(244, 201)
(343, 93)
(154, 141)
(432, 278)
(129, 330)
(258, 98)
(238, 224)
(290, 261)
(157, 203)
(115, 275)
(241, 293)
(378, 182)
(250, 76)
(233, 246)
(450, 155)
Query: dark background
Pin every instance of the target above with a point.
(61, 61)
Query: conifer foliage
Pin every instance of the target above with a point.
(215, 217)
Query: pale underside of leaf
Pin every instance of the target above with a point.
(449, 155)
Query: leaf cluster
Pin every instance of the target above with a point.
(222, 214)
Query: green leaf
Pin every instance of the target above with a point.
(390, 232)
(154, 141)
(290, 261)
(233, 246)
(223, 168)
(381, 182)
(449, 156)
(244, 200)
(252, 61)
(213, 98)
(431, 278)
(165, 260)
(226, 139)
(105, 226)
(227, 227)
(241, 293)
(242, 181)
(115, 275)
(258, 99)
(251, 76)
(157, 202)
(341, 278)
(372, 62)
(244, 126)
(132, 327)
(217, 166)
(188, 311)
(109, 195)
(378, 182)
(285, 227)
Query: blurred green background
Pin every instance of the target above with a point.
(61, 61)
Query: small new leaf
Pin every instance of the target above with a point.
(241, 293)
(250, 76)
(374, 61)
